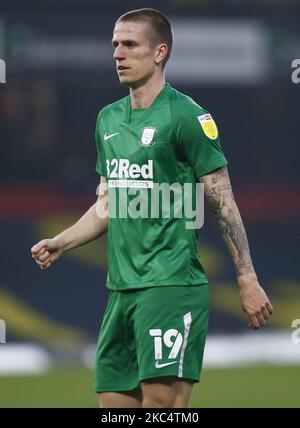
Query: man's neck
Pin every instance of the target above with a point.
(143, 96)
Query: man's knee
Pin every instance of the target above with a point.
(166, 393)
(159, 400)
(129, 399)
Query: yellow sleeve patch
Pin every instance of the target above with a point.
(208, 125)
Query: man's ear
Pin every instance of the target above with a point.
(161, 52)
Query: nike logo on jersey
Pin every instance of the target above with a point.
(159, 366)
(107, 137)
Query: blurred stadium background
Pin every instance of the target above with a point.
(234, 58)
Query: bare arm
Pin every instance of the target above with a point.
(219, 195)
(89, 227)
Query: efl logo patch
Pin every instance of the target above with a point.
(208, 125)
(147, 136)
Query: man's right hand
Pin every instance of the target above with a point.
(47, 252)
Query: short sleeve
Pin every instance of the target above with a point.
(199, 139)
(100, 164)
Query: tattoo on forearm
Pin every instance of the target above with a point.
(220, 198)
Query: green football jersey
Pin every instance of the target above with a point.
(152, 159)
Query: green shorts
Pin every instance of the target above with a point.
(151, 333)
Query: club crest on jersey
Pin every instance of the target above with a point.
(147, 136)
(208, 125)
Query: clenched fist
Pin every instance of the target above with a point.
(46, 252)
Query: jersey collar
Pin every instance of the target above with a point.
(162, 95)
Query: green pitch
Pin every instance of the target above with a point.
(261, 386)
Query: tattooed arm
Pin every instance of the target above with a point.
(218, 193)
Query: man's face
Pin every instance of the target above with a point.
(135, 58)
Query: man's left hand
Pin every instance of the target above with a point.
(254, 300)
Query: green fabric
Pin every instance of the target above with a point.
(149, 333)
(164, 143)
